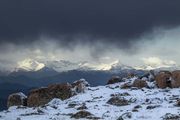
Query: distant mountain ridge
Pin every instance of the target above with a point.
(64, 65)
(44, 72)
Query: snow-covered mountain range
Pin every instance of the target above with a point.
(64, 65)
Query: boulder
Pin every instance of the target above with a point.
(114, 79)
(140, 83)
(38, 97)
(168, 79)
(79, 86)
(61, 91)
(42, 96)
(17, 99)
(176, 79)
(163, 79)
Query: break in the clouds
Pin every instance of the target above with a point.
(100, 31)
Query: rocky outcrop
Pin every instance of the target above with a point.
(42, 96)
(38, 97)
(176, 79)
(163, 79)
(17, 99)
(168, 79)
(140, 83)
(114, 79)
(62, 91)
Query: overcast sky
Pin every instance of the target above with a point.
(134, 32)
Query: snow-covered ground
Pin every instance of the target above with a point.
(144, 104)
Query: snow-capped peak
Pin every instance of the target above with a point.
(30, 65)
(118, 65)
(160, 67)
(151, 63)
(63, 65)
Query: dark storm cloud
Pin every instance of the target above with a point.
(117, 21)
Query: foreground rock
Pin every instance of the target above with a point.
(38, 97)
(168, 79)
(176, 79)
(17, 99)
(163, 79)
(42, 96)
(126, 86)
(61, 91)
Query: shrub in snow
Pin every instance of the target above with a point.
(81, 114)
(152, 107)
(169, 116)
(127, 115)
(140, 83)
(126, 86)
(118, 101)
(178, 103)
(82, 107)
(114, 79)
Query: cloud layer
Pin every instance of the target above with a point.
(78, 30)
(112, 22)
(161, 49)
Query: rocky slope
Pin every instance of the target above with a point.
(152, 96)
